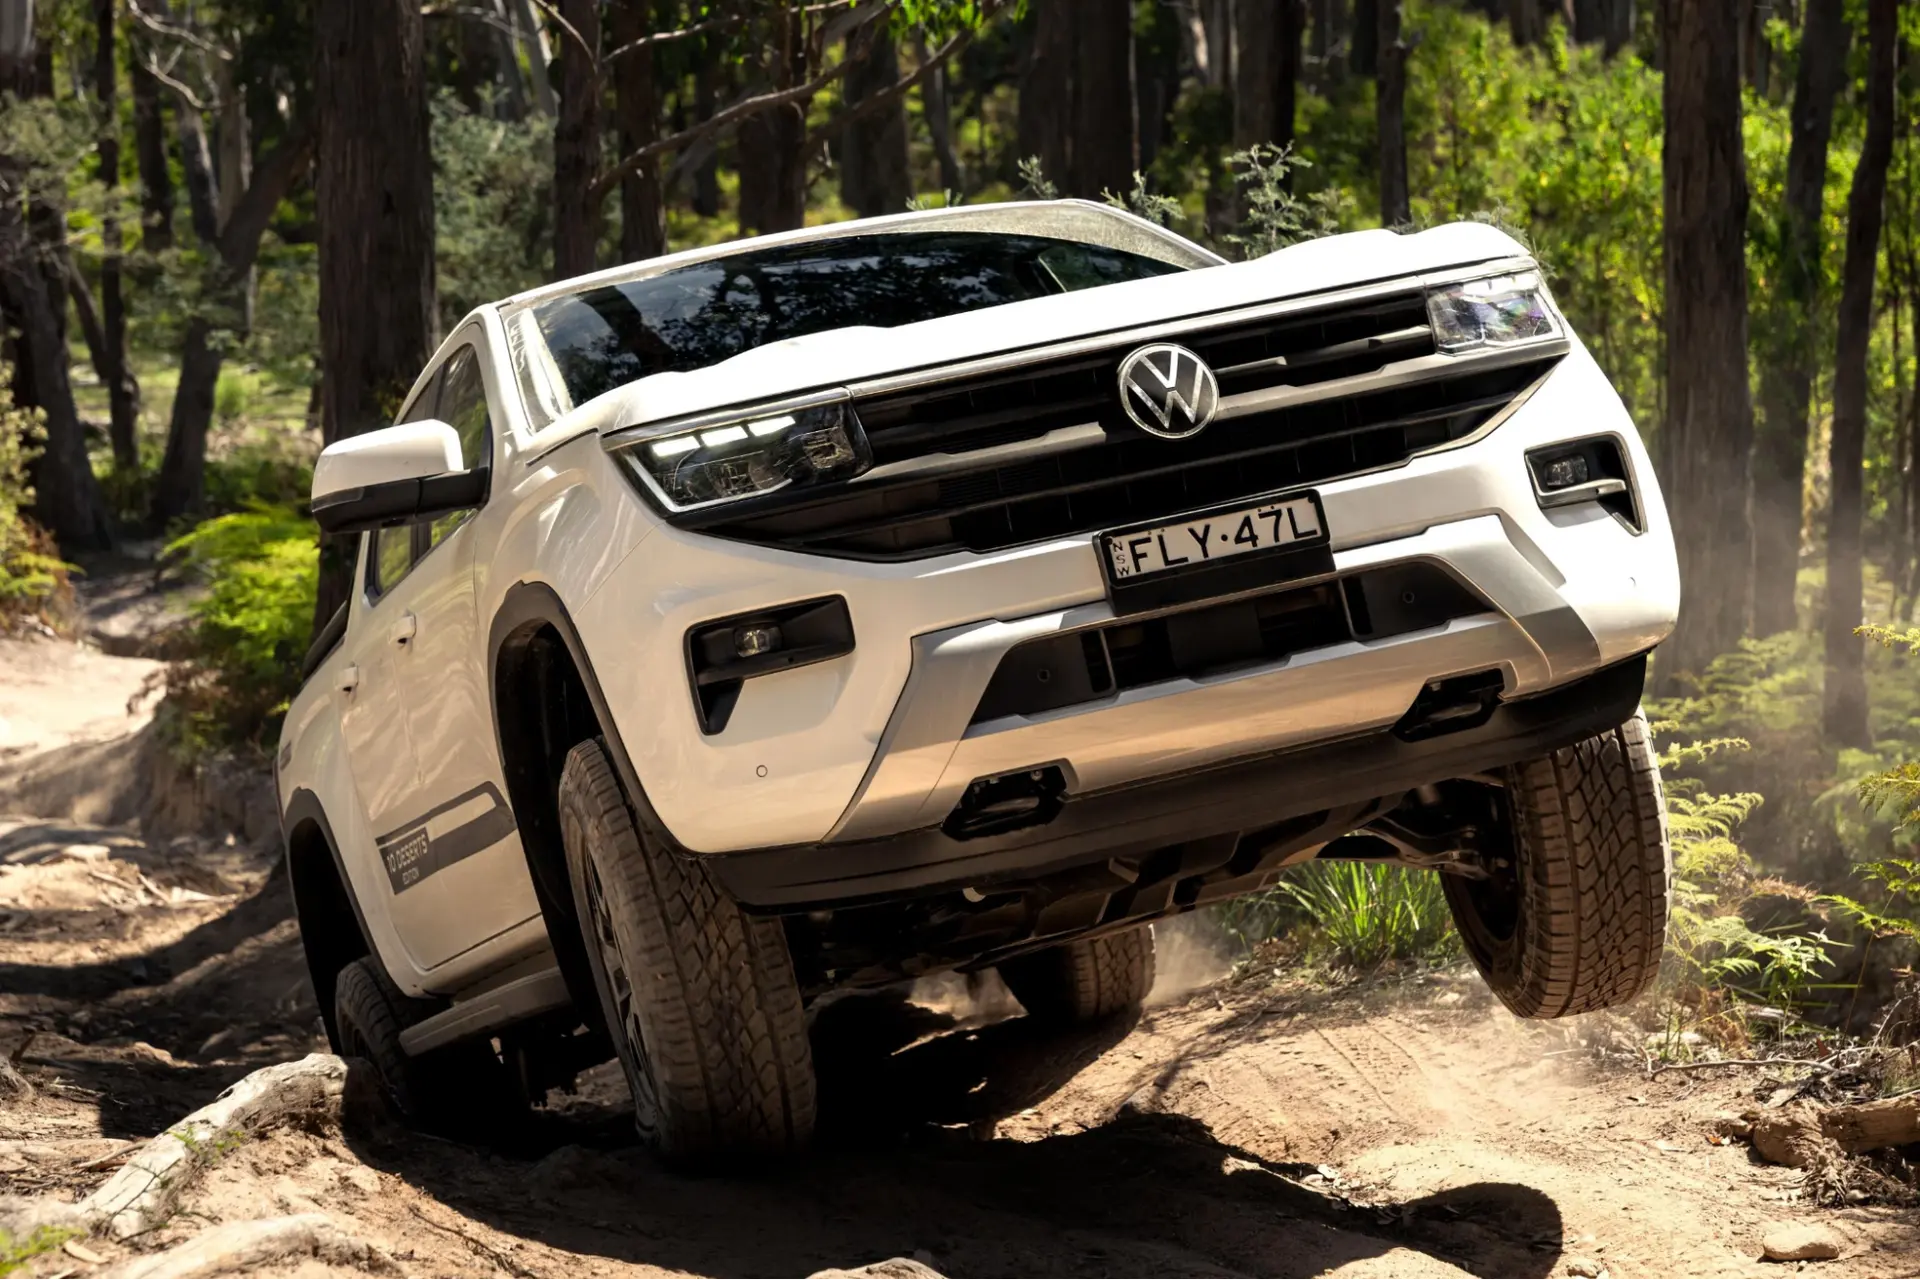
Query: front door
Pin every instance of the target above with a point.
(469, 880)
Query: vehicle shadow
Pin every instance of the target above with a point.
(904, 1165)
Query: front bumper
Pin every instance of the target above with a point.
(1258, 803)
(855, 752)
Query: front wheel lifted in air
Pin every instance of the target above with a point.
(1575, 921)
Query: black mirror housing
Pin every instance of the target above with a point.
(376, 506)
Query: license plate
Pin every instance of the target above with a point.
(1225, 551)
(1219, 536)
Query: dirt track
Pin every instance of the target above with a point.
(1246, 1128)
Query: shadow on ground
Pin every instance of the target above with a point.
(905, 1164)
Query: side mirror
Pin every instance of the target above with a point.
(393, 476)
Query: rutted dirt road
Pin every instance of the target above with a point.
(1243, 1128)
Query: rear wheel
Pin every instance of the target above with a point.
(1086, 979)
(699, 997)
(458, 1091)
(1577, 922)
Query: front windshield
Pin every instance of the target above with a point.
(698, 315)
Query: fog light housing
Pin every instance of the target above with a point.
(724, 654)
(1595, 470)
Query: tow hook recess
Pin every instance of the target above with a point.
(1006, 802)
(1450, 705)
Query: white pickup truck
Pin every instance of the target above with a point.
(955, 590)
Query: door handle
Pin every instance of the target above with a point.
(349, 678)
(404, 628)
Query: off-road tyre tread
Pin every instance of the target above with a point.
(723, 1028)
(461, 1090)
(1596, 870)
(1086, 979)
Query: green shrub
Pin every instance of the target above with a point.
(31, 572)
(1361, 913)
(250, 630)
(230, 396)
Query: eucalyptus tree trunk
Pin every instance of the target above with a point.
(150, 152)
(1104, 151)
(1794, 330)
(576, 141)
(374, 187)
(636, 109)
(1846, 691)
(123, 392)
(1708, 431)
(67, 498)
(1045, 124)
(1390, 99)
(180, 488)
(874, 178)
(938, 110)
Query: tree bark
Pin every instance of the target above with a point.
(874, 178)
(1709, 426)
(706, 175)
(1603, 22)
(1104, 152)
(67, 497)
(123, 393)
(1846, 691)
(1045, 123)
(643, 212)
(773, 169)
(938, 110)
(1157, 69)
(1786, 374)
(526, 27)
(180, 487)
(1363, 56)
(150, 150)
(576, 141)
(375, 216)
(1390, 99)
(1527, 21)
(196, 169)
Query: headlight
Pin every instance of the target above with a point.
(1500, 311)
(721, 461)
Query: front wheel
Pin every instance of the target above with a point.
(1576, 923)
(699, 997)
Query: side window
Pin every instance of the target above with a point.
(463, 406)
(392, 557)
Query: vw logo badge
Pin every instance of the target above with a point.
(1168, 391)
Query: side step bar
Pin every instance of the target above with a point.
(503, 1006)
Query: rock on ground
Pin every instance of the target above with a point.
(1800, 1242)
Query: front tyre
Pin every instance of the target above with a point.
(1577, 923)
(1084, 980)
(699, 997)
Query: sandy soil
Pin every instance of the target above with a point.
(1248, 1127)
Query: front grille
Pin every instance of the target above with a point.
(928, 496)
(1084, 666)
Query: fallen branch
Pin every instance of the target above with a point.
(1802, 1136)
(141, 1195)
(250, 1246)
(1823, 1064)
